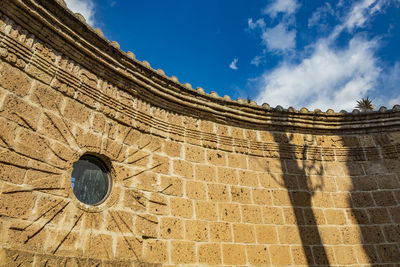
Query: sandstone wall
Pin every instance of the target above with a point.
(194, 183)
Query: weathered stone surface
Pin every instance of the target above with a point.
(195, 179)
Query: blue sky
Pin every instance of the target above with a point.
(317, 54)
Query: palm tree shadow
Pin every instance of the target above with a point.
(302, 161)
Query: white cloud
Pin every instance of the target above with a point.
(281, 6)
(331, 77)
(361, 12)
(320, 15)
(84, 7)
(233, 64)
(279, 38)
(257, 60)
(326, 79)
(260, 23)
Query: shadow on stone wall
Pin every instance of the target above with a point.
(375, 197)
(300, 190)
(370, 180)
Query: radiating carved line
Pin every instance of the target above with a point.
(144, 218)
(139, 159)
(33, 189)
(43, 214)
(66, 125)
(56, 154)
(136, 197)
(30, 168)
(148, 237)
(24, 121)
(108, 136)
(149, 169)
(63, 240)
(126, 240)
(44, 225)
(123, 141)
(162, 191)
(5, 142)
(140, 148)
(127, 226)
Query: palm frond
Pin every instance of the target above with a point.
(365, 104)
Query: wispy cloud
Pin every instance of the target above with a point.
(281, 6)
(319, 17)
(84, 7)
(278, 37)
(233, 64)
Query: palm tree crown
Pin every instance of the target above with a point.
(365, 104)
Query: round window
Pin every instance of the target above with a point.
(90, 180)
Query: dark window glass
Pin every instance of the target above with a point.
(90, 180)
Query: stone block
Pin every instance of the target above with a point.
(20, 111)
(220, 232)
(183, 168)
(194, 153)
(18, 204)
(330, 235)
(77, 112)
(257, 255)
(237, 161)
(273, 215)
(196, 190)
(372, 234)
(209, 254)
(289, 235)
(172, 149)
(266, 234)
(229, 212)
(378, 215)
(183, 252)
(181, 207)
(243, 233)
(280, 255)
(234, 254)
(160, 163)
(335, 217)
(171, 186)
(280, 197)
(171, 228)
(99, 246)
(14, 80)
(344, 255)
(251, 214)
(146, 225)
(158, 204)
(206, 210)
(300, 256)
(218, 192)
(205, 173)
(215, 157)
(262, 196)
(227, 175)
(128, 247)
(155, 251)
(196, 230)
(248, 178)
(241, 194)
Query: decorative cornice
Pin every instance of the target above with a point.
(70, 35)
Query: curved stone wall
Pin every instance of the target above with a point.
(196, 179)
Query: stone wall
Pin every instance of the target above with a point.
(197, 179)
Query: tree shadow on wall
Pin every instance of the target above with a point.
(302, 176)
(374, 199)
